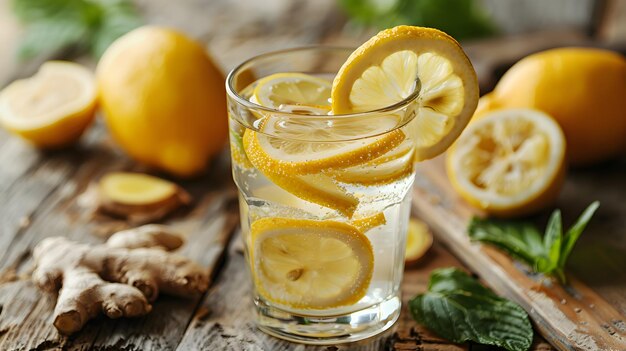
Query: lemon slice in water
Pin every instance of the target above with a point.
(308, 264)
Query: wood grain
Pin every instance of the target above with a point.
(223, 320)
(25, 320)
(45, 194)
(574, 317)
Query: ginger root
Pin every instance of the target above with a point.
(140, 198)
(118, 278)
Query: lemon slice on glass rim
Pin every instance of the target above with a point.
(510, 162)
(307, 264)
(396, 63)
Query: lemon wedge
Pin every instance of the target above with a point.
(403, 61)
(509, 162)
(292, 89)
(418, 241)
(52, 108)
(308, 264)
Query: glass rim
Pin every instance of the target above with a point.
(231, 91)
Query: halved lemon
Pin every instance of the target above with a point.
(509, 162)
(308, 264)
(399, 62)
(292, 89)
(395, 164)
(52, 108)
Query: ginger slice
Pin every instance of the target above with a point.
(118, 278)
(138, 197)
(418, 241)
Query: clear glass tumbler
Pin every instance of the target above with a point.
(324, 201)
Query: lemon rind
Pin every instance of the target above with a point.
(419, 40)
(359, 155)
(523, 202)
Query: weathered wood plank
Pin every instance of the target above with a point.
(573, 317)
(225, 318)
(208, 225)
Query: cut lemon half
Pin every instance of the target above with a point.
(395, 164)
(52, 108)
(509, 162)
(308, 264)
(404, 61)
(292, 89)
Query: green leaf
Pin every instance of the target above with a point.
(519, 239)
(523, 242)
(463, 19)
(85, 24)
(117, 20)
(575, 231)
(51, 35)
(552, 242)
(460, 309)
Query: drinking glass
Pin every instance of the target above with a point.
(344, 220)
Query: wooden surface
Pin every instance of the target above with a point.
(587, 314)
(47, 194)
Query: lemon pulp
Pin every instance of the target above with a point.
(308, 264)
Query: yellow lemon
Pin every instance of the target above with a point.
(292, 89)
(53, 108)
(406, 62)
(309, 264)
(418, 241)
(391, 166)
(292, 152)
(583, 89)
(509, 163)
(164, 100)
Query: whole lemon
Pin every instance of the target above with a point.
(164, 99)
(583, 89)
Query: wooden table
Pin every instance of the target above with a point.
(43, 194)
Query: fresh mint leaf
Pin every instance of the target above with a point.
(463, 19)
(87, 25)
(575, 231)
(460, 309)
(552, 242)
(523, 242)
(519, 239)
(50, 35)
(117, 19)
